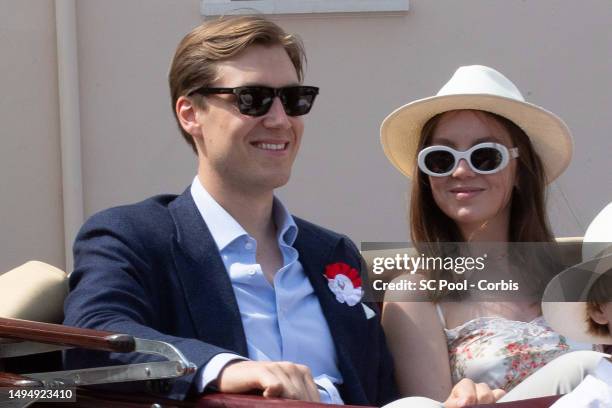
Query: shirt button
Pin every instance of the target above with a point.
(252, 272)
(248, 246)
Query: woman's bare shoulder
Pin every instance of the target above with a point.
(407, 288)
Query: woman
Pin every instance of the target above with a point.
(479, 157)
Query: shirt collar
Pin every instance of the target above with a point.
(225, 229)
(287, 229)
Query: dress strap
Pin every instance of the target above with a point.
(441, 315)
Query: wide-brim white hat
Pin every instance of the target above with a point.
(569, 318)
(480, 88)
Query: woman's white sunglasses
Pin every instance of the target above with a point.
(483, 158)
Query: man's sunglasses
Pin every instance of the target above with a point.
(483, 158)
(257, 100)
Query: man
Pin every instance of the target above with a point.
(223, 271)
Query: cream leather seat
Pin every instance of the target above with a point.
(33, 291)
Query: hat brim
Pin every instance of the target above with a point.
(569, 318)
(549, 135)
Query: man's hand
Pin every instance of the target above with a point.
(275, 379)
(467, 392)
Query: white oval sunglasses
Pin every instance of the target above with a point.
(483, 158)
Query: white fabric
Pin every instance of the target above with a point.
(590, 393)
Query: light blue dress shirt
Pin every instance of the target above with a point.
(283, 322)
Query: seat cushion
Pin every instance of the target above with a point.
(33, 291)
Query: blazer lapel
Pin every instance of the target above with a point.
(345, 322)
(208, 289)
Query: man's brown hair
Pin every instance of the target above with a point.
(194, 62)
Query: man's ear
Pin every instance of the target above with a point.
(598, 315)
(186, 114)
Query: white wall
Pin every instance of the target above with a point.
(557, 52)
(30, 166)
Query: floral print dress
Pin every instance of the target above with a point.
(502, 352)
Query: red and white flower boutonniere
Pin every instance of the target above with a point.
(344, 282)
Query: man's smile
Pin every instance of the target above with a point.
(270, 146)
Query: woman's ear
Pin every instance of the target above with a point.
(187, 116)
(598, 316)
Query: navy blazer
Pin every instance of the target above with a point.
(153, 270)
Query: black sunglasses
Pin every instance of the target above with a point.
(257, 100)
